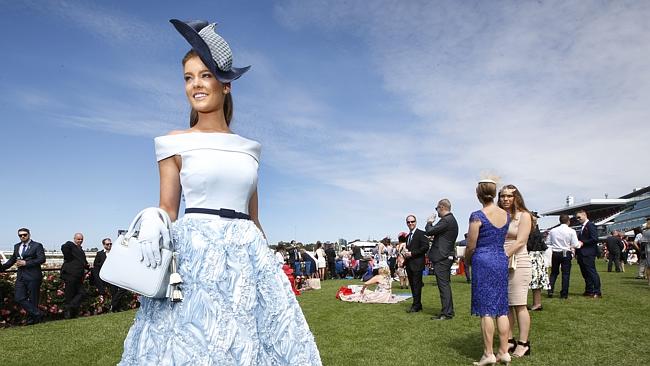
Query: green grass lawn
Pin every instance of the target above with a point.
(578, 331)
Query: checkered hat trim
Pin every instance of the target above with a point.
(219, 48)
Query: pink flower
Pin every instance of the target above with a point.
(59, 293)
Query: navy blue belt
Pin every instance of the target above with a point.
(222, 212)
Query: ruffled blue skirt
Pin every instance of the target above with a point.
(238, 306)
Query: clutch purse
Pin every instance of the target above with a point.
(512, 262)
(123, 267)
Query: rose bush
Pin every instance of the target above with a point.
(51, 299)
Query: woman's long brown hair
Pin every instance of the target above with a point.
(518, 203)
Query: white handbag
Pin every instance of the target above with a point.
(123, 266)
(313, 283)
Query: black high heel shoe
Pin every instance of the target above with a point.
(523, 344)
(512, 344)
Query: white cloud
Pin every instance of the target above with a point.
(550, 95)
(553, 96)
(148, 104)
(112, 26)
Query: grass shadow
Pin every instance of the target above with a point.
(468, 345)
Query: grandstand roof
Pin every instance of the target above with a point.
(589, 206)
(599, 204)
(637, 192)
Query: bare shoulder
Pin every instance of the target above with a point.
(178, 132)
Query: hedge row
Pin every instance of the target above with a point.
(51, 300)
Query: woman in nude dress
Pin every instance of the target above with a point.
(382, 293)
(511, 200)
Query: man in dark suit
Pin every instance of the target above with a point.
(614, 246)
(100, 258)
(416, 248)
(442, 254)
(28, 256)
(116, 292)
(72, 273)
(331, 260)
(586, 254)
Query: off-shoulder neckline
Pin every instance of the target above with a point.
(219, 134)
(200, 133)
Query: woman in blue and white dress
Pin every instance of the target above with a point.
(238, 306)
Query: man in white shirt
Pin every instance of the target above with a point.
(640, 252)
(562, 240)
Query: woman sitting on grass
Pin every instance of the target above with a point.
(382, 293)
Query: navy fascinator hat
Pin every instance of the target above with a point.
(213, 50)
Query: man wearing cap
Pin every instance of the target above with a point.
(442, 253)
(28, 256)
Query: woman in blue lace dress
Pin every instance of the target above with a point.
(486, 235)
(238, 306)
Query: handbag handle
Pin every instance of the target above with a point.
(132, 232)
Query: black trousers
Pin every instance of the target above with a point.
(116, 296)
(415, 282)
(332, 267)
(614, 258)
(442, 270)
(588, 270)
(563, 260)
(101, 285)
(27, 294)
(74, 292)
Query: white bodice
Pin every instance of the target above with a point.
(219, 170)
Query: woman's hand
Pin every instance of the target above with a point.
(153, 235)
(509, 252)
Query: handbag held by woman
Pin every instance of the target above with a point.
(147, 267)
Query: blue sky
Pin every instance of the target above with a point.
(367, 111)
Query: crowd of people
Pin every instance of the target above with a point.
(504, 253)
(28, 256)
(506, 256)
(505, 250)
